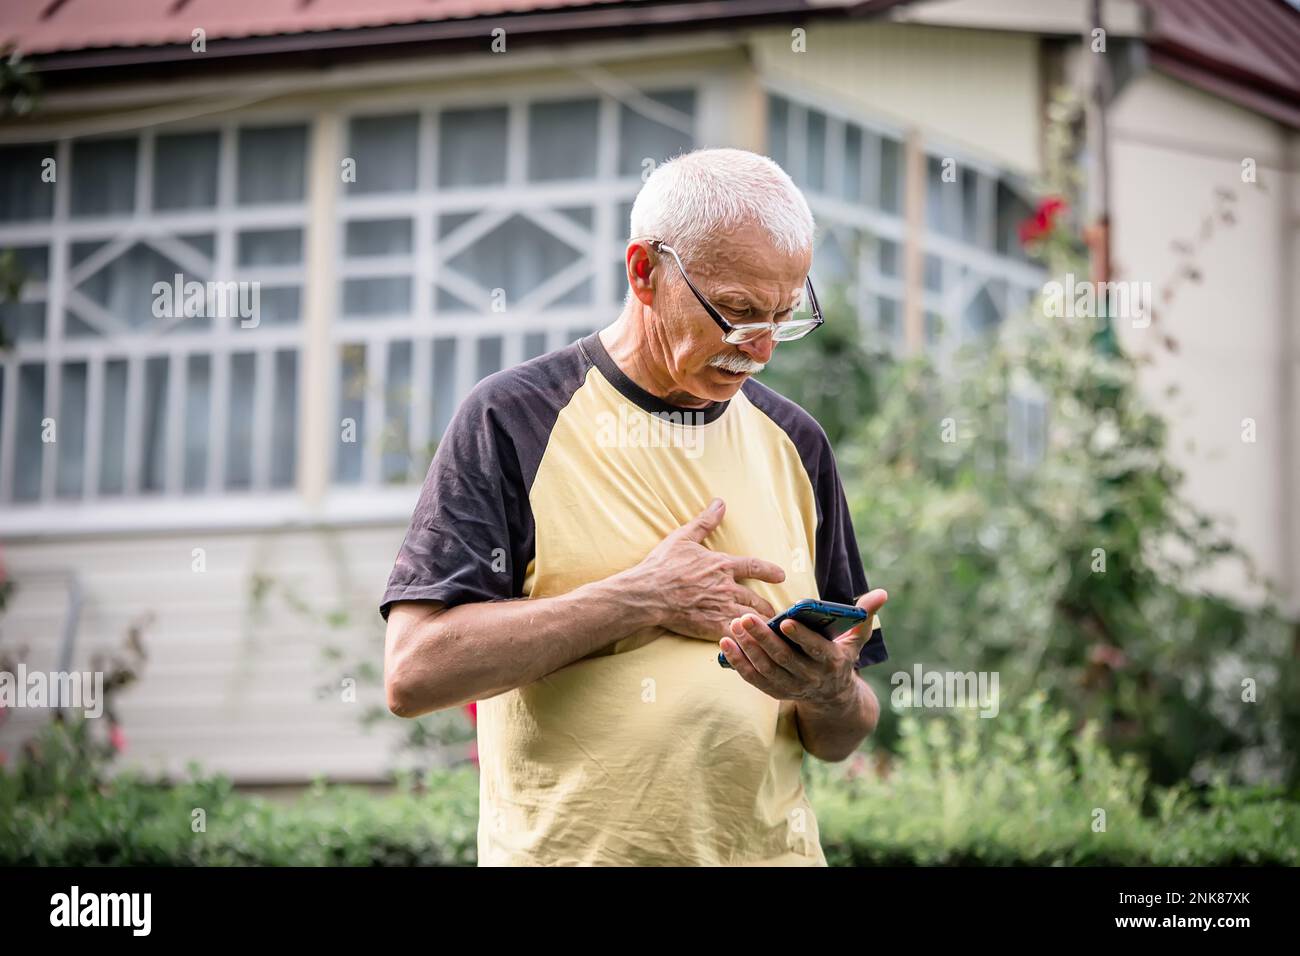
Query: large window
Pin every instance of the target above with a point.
(475, 235)
(106, 393)
(852, 172)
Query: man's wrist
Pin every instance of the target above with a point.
(843, 704)
(630, 599)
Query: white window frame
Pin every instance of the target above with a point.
(316, 499)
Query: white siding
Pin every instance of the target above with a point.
(232, 689)
(1173, 147)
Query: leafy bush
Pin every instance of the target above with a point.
(1021, 789)
(1017, 790)
(1075, 567)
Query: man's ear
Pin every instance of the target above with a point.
(639, 272)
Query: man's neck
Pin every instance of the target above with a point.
(641, 354)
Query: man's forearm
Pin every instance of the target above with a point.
(833, 731)
(476, 651)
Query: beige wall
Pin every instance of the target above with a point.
(976, 91)
(1173, 147)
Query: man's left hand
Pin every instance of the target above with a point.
(821, 676)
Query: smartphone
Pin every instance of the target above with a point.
(826, 618)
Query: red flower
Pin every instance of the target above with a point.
(117, 738)
(1040, 225)
(472, 709)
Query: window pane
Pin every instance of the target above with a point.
(385, 149)
(153, 460)
(489, 355)
(28, 425)
(642, 138)
(444, 384)
(239, 427)
(534, 344)
(103, 176)
(1012, 210)
(969, 190)
(562, 140)
(198, 411)
(980, 317)
(284, 427)
(395, 461)
(271, 247)
(276, 305)
(351, 422)
(851, 186)
(24, 195)
(889, 323)
(889, 257)
(932, 273)
(72, 431)
(124, 287)
(378, 237)
(778, 129)
(113, 430)
(816, 167)
(22, 322)
(891, 175)
(942, 202)
(272, 164)
(516, 256)
(472, 147)
(385, 295)
(185, 171)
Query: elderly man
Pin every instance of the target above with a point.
(599, 522)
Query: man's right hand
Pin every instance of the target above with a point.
(695, 590)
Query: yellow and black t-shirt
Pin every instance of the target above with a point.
(562, 471)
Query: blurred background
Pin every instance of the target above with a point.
(1100, 507)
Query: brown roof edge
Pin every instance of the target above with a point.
(459, 35)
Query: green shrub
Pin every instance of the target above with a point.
(1021, 789)
(1024, 789)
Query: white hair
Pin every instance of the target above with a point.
(691, 199)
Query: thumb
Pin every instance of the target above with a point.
(699, 527)
(873, 601)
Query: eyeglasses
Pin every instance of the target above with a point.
(734, 334)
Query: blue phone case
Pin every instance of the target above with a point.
(825, 617)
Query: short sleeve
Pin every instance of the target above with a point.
(840, 576)
(471, 535)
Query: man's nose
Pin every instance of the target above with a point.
(759, 349)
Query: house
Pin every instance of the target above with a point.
(421, 192)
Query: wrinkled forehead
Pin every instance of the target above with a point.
(751, 255)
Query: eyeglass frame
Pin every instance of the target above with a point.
(658, 245)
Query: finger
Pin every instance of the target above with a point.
(810, 642)
(703, 524)
(747, 598)
(742, 567)
(871, 602)
(771, 656)
(741, 665)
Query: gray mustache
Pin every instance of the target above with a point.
(737, 363)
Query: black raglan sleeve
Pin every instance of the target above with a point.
(840, 576)
(471, 535)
